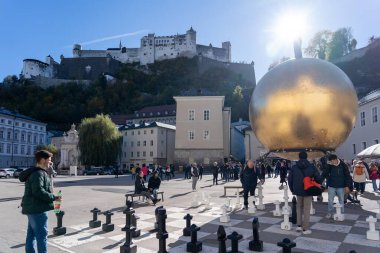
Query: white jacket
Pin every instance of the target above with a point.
(360, 178)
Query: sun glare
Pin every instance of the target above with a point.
(291, 26)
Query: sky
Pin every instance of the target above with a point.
(35, 29)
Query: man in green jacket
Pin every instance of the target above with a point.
(37, 201)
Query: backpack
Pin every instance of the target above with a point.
(311, 187)
(359, 171)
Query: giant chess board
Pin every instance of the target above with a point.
(327, 235)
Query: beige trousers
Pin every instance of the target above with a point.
(303, 211)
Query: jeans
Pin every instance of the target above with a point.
(194, 184)
(215, 178)
(331, 194)
(37, 231)
(360, 187)
(303, 210)
(133, 176)
(245, 195)
(374, 185)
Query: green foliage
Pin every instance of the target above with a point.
(136, 87)
(99, 141)
(331, 45)
(51, 148)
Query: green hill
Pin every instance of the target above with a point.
(135, 87)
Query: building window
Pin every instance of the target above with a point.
(16, 124)
(8, 135)
(151, 131)
(126, 133)
(376, 141)
(133, 132)
(138, 132)
(16, 136)
(29, 138)
(206, 115)
(144, 143)
(9, 122)
(1, 134)
(15, 149)
(35, 139)
(28, 151)
(364, 144)
(191, 135)
(138, 143)
(374, 114)
(151, 153)
(2, 121)
(362, 119)
(22, 149)
(8, 148)
(1, 147)
(132, 143)
(138, 153)
(162, 142)
(151, 142)
(144, 153)
(23, 124)
(162, 131)
(131, 154)
(144, 131)
(206, 134)
(125, 154)
(22, 137)
(191, 114)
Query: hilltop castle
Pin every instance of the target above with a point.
(155, 48)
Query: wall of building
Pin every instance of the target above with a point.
(18, 140)
(32, 68)
(237, 144)
(204, 156)
(362, 136)
(253, 148)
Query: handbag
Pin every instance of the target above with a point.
(311, 187)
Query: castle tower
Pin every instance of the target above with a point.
(191, 39)
(227, 45)
(76, 50)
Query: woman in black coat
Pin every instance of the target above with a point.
(248, 178)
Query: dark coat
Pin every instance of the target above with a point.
(249, 178)
(295, 178)
(337, 176)
(154, 183)
(214, 169)
(139, 185)
(38, 197)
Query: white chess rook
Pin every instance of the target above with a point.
(378, 214)
(338, 216)
(225, 217)
(312, 209)
(372, 234)
(252, 208)
(260, 206)
(277, 211)
(286, 225)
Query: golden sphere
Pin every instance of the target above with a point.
(302, 104)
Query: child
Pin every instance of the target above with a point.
(373, 176)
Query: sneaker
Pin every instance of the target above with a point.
(307, 232)
(328, 216)
(299, 229)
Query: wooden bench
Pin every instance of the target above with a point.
(133, 195)
(231, 187)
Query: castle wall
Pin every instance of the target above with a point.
(32, 68)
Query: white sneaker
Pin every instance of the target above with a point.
(307, 232)
(328, 216)
(299, 229)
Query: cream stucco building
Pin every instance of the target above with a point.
(203, 129)
(367, 127)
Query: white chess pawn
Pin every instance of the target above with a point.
(225, 217)
(252, 208)
(260, 206)
(338, 216)
(286, 225)
(286, 200)
(378, 214)
(372, 234)
(312, 209)
(238, 205)
(277, 211)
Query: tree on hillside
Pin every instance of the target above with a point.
(318, 45)
(329, 45)
(99, 141)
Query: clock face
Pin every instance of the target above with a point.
(303, 104)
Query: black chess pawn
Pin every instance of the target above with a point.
(256, 244)
(156, 215)
(59, 229)
(286, 245)
(128, 246)
(194, 246)
(137, 231)
(235, 237)
(293, 219)
(186, 231)
(222, 238)
(94, 223)
(108, 226)
(162, 234)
